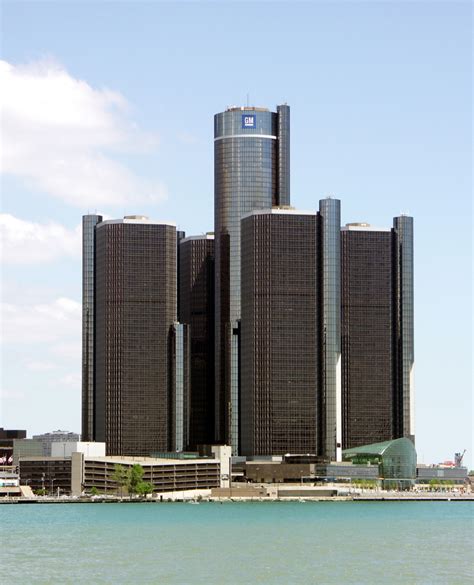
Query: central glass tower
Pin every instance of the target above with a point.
(251, 171)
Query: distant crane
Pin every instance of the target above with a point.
(458, 457)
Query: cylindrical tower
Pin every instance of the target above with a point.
(135, 312)
(280, 330)
(247, 159)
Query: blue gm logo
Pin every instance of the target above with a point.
(248, 121)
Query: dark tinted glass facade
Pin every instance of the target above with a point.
(404, 274)
(180, 235)
(367, 336)
(89, 223)
(377, 333)
(283, 140)
(196, 298)
(180, 387)
(251, 166)
(330, 311)
(280, 329)
(135, 312)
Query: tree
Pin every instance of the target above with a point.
(135, 478)
(121, 476)
(132, 479)
(144, 488)
(94, 491)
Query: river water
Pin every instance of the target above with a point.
(236, 543)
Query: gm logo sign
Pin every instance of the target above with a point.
(248, 121)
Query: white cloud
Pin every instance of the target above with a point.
(57, 321)
(57, 131)
(24, 242)
(40, 370)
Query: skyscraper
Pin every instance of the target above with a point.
(135, 313)
(252, 171)
(377, 332)
(290, 357)
(196, 300)
(280, 333)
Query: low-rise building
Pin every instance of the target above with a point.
(396, 460)
(347, 471)
(26, 448)
(49, 439)
(7, 436)
(274, 472)
(85, 469)
(48, 475)
(88, 448)
(9, 484)
(9, 479)
(165, 475)
(428, 473)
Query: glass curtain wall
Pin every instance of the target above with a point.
(330, 213)
(247, 159)
(88, 295)
(403, 227)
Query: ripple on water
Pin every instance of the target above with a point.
(277, 543)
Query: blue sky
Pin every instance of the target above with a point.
(109, 107)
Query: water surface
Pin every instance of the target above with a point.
(212, 543)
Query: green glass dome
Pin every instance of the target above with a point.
(396, 459)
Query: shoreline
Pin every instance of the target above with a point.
(222, 500)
